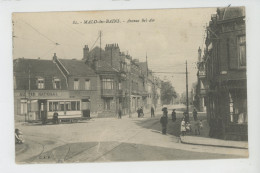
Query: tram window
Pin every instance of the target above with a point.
(55, 106)
(68, 107)
(50, 106)
(62, 106)
(78, 105)
(73, 105)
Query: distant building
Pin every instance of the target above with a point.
(224, 74)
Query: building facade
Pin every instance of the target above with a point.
(99, 85)
(224, 75)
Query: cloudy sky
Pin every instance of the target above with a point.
(169, 39)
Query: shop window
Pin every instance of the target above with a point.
(242, 51)
(87, 84)
(108, 84)
(238, 107)
(40, 83)
(76, 84)
(56, 83)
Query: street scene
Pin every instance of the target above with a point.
(137, 85)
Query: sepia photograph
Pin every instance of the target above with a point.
(130, 85)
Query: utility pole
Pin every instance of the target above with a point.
(187, 93)
(100, 33)
(130, 89)
(29, 93)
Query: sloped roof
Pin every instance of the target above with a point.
(104, 66)
(77, 67)
(36, 68)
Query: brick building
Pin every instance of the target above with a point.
(97, 86)
(224, 74)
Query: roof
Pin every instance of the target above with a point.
(77, 67)
(230, 13)
(36, 68)
(103, 66)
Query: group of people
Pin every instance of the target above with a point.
(185, 123)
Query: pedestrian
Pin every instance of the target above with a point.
(173, 115)
(164, 122)
(55, 118)
(197, 127)
(119, 113)
(138, 112)
(186, 116)
(152, 112)
(188, 127)
(183, 127)
(195, 114)
(141, 112)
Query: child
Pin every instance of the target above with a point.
(188, 127)
(183, 128)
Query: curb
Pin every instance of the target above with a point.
(212, 145)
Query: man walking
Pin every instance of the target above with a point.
(119, 113)
(173, 115)
(164, 122)
(195, 115)
(152, 112)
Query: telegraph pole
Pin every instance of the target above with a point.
(29, 93)
(187, 93)
(100, 33)
(130, 89)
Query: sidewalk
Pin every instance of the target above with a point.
(196, 140)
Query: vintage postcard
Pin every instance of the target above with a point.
(130, 85)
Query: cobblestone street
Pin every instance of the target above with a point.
(111, 139)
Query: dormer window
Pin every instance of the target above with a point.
(56, 83)
(76, 84)
(40, 83)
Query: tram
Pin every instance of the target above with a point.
(68, 110)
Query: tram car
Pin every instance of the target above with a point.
(68, 110)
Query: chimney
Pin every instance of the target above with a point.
(54, 58)
(199, 55)
(85, 52)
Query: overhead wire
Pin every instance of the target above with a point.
(36, 30)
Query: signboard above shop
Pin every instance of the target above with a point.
(41, 94)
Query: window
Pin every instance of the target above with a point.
(40, 83)
(56, 83)
(76, 84)
(107, 104)
(119, 85)
(23, 106)
(108, 84)
(242, 51)
(87, 84)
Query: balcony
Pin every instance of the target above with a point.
(121, 93)
(108, 93)
(201, 74)
(203, 92)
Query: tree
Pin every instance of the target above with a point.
(167, 92)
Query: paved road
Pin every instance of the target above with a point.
(111, 139)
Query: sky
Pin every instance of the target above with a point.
(168, 37)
